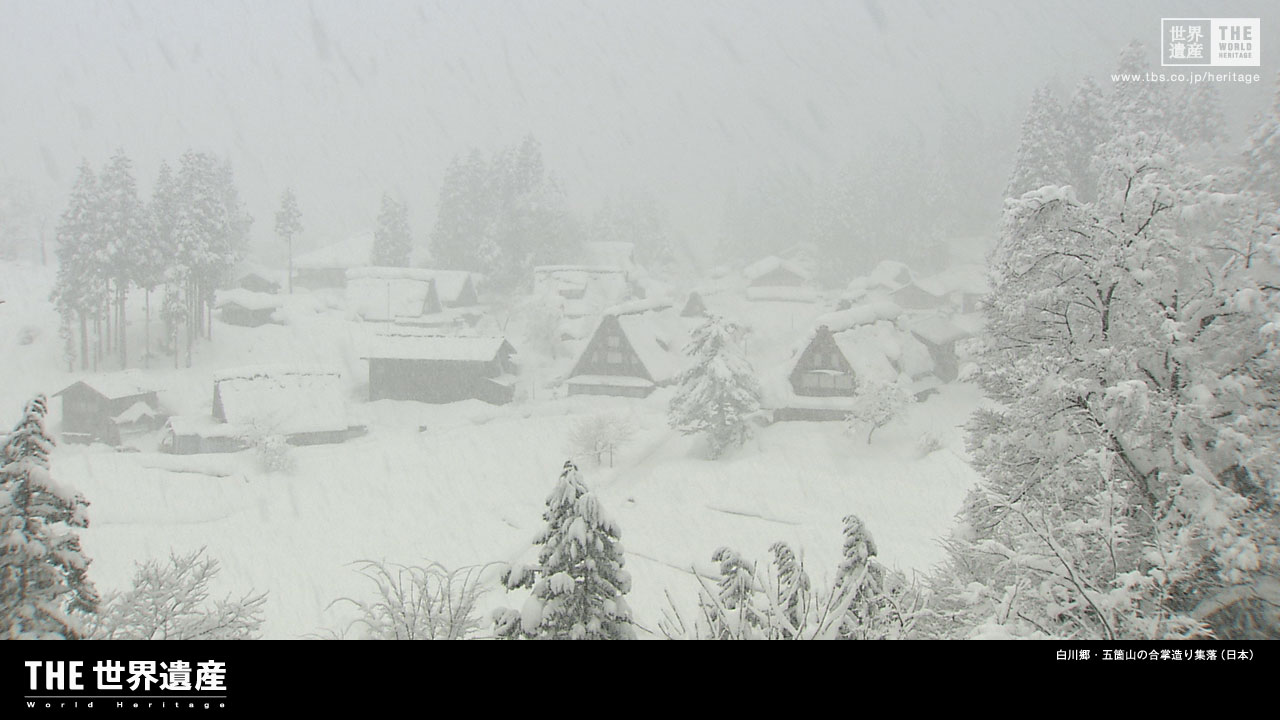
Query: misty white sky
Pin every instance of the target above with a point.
(345, 99)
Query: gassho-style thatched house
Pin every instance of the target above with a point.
(847, 347)
(775, 279)
(694, 306)
(441, 368)
(630, 353)
(246, 308)
(257, 281)
(940, 335)
(305, 406)
(100, 407)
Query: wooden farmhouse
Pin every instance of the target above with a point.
(629, 355)
(101, 407)
(862, 344)
(441, 368)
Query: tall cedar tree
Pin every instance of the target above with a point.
(578, 585)
(43, 581)
(288, 226)
(124, 231)
(392, 241)
(78, 292)
(719, 392)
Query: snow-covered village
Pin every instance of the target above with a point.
(749, 320)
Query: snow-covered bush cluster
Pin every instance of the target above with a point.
(601, 436)
(415, 602)
(866, 601)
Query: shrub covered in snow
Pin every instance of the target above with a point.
(876, 404)
(866, 601)
(601, 436)
(172, 602)
(928, 443)
(414, 602)
(273, 453)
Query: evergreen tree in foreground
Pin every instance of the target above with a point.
(719, 392)
(578, 583)
(42, 568)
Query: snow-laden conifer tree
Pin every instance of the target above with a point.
(392, 241)
(288, 225)
(43, 581)
(719, 392)
(125, 229)
(1041, 158)
(577, 587)
(79, 293)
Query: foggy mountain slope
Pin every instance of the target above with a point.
(345, 101)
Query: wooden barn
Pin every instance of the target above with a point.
(441, 368)
(246, 308)
(629, 355)
(99, 408)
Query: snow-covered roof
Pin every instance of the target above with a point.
(764, 266)
(449, 283)
(862, 314)
(969, 278)
(349, 253)
(388, 296)
(937, 330)
(571, 269)
(610, 381)
(782, 294)
(135, 412)
(658, 339)
(890, 274)
(247, 299)
(113, 386)
(632, 307)
(283, 399)
(202, 425)
(435, 347)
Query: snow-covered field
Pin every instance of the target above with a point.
(464, 483)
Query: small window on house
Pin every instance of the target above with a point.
(615, 341)
(844, 382)
(809, 380)
(614, 358)
(826, 381)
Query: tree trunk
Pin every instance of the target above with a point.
(123, 333)
(289, 280)
(84, 340)
(146, 332)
